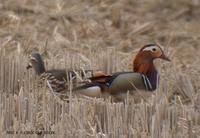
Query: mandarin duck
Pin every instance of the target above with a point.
(57, 79)
(143, 77)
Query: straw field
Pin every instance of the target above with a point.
(100, 35)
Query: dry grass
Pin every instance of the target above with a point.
(100, 35)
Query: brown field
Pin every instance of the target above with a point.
(100, 35)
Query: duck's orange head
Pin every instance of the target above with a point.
(144, 59)
(152, 51)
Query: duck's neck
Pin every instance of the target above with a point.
(39, 68)
(153, 77)
(147, 68)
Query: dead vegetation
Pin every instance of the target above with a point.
(99, 35)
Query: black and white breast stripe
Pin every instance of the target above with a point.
(147, 83)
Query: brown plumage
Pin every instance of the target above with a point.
(56, 79)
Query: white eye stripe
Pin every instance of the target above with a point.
(150, 48)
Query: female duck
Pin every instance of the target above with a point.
(57, 79)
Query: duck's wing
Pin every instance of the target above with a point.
(59, 80)
(58, 74)
(128, 81)
(100, 77)
(56, 81)
(70, 74)
(103, 78)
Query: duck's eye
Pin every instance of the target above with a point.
(154, 49)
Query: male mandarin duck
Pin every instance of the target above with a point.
(57, 79)
(143, 77)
